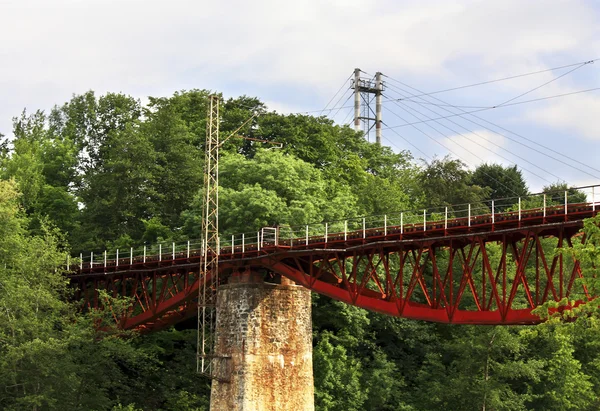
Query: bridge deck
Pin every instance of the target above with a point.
(482, 224)
(438, 271)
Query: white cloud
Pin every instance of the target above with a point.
(576, 115)
(477, 147)
(272, 49)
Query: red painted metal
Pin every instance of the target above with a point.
(477, 272)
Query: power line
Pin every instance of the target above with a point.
(407, 141)
(512, 139)
(452, 152)
(337, 92)
(542, 85)
(493, 107)
(500, 79)
(486, 148)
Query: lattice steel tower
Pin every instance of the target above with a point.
(209, 265)
(364, 89)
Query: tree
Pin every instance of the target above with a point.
(504, 182)
(447, 182)
(556, 194)
(273, 189)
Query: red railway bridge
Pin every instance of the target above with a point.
(489, 263)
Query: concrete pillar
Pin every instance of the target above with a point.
(265, 330)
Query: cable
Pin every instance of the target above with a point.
(335, 95)
(408, 141)
(542, 85)
(485, 139)
(486, 148)
(452, 152)
(346, 118)
(491, 108)
(500, 79)
(336, 113)
(512, 139)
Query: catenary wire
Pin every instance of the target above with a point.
(484, 147)
(510, 138)
(544, 84)
(501, 79)
(467, 150)
(452, 152)
(335, 95)
(491, 108)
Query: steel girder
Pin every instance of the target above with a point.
(494, 277)
(472, 279)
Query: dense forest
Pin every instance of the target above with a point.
(106, 172)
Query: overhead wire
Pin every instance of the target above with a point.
(336, 113)
(335, 95)
(450, 150)
(494, 107)
(462, 115)
(487, 148)
(504, 78)
(544, 84)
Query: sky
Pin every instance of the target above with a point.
(295, 56)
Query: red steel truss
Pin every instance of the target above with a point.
(487, 271)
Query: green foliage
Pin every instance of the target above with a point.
(556, 194)
(504, 182)
(106, 171)
(447, 182)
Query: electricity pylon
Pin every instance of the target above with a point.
(209, 265)
(208, 362)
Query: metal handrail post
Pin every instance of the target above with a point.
(446, 218)
(117, 260)
(326, 232)
(144, 260)
(160, 252)
(544, 205)
(469, 216)
(306, 234)
(131, 256)
(91, 259)
(424, 220)
(364, 221)
(345, 230)
(401, 223)
(81, 261)
(385, 225)
(493, 213)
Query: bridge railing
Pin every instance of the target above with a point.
(435, 219)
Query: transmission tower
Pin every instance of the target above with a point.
(364, 90)
(209, 363)
(209, 266)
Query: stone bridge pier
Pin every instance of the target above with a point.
(264, 331)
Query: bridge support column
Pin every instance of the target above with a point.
(265, 330)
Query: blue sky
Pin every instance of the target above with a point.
(296, 55)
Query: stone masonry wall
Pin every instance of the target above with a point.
(266, 329)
